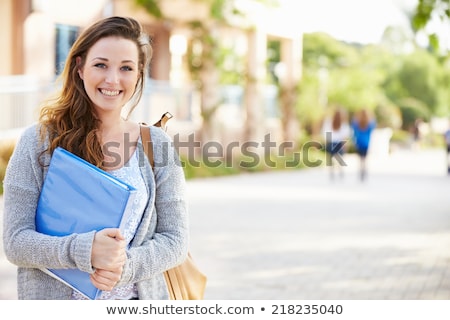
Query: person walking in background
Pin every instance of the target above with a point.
(416, 132)
(362, 127)
(336, 133)
(447, 142)
(105, 71)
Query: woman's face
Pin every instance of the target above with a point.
(110, 73)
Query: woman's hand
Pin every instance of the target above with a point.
(108, 257)
(106, 279)
(108, 250)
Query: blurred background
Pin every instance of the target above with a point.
(233, 71)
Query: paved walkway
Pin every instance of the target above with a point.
(299, 235)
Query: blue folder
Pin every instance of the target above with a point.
(78, 197)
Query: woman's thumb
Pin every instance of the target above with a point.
(114, 233)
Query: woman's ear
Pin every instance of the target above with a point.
(80, 68)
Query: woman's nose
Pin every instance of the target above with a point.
(112, 76)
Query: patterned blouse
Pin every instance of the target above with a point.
(131, 174)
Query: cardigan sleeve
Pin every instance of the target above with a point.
(22, 244)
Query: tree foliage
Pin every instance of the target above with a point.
(336, 74)
(152, 7)
(425, 12)
(398, 87)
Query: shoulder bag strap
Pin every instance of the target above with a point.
(147, 138)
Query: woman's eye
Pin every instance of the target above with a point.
(127, 68)
(100, 65)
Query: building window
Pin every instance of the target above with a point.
(65, 37)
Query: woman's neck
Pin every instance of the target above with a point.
(112, 128)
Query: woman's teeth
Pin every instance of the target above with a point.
(110, 92)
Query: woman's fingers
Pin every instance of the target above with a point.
(106, 279)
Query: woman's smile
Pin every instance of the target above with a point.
(109, 92)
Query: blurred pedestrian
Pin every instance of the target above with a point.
(417, 133)
(447, 142)
(362, 126)
(336, 132)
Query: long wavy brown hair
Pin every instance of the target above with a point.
(338, 119)
(69, 120)
(363, 119)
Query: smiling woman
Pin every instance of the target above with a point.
(104, 71)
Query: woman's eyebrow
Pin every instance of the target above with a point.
(105, 59)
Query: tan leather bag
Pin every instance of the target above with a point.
(186, 281)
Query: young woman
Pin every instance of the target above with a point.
(362, 126)
(104, 71)
(336, 133)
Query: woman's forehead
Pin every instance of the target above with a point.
(114, 47)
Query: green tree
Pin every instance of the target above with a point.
(400, 87)
(425, 12)
(338, 74)
(421, 75)
(322, 57)
(418, 86)
(444, 92)
(321, 50)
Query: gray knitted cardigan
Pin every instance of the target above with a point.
(160, 242)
